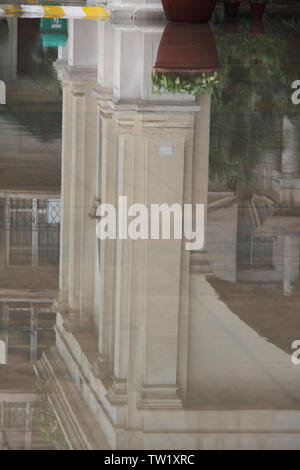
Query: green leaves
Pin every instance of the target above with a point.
(201, 84)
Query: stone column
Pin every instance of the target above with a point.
(166, 150)
(106, 193)
(76, 67)
(9, 52)
(87, 224)
(201, 151)
(106, 55)
(123, 262)
(289, 189)
(4, 232)
(200, 167)
(82, 43)
(290, 155)
(62, 303)
(291, 256)
(199, 264)
(106, 248)
(154, 151)
(35, 234)
(33, 334)
(28, 427)
(7, 231)
(2, 92)
(77, 189)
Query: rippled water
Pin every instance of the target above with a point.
(141, 344)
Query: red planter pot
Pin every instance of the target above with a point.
(232, 9)
(257, 9)
(189, 11)
(187, 49)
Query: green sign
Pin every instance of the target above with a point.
(54, 32)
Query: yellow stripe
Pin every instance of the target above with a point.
(95, 12)
(11, 9)
(56, 11)
(53, 11)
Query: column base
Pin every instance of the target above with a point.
(61, 304)
(160, 397)
(75, 323)
(117, 393)
(99, 367)
(199, 263)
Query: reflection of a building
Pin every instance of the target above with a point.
(29, 236)
(147, 355)
(29, 240)
(262, 233)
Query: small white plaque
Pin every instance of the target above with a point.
(165, 149)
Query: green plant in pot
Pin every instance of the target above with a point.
(187, 60)
(192, 84)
